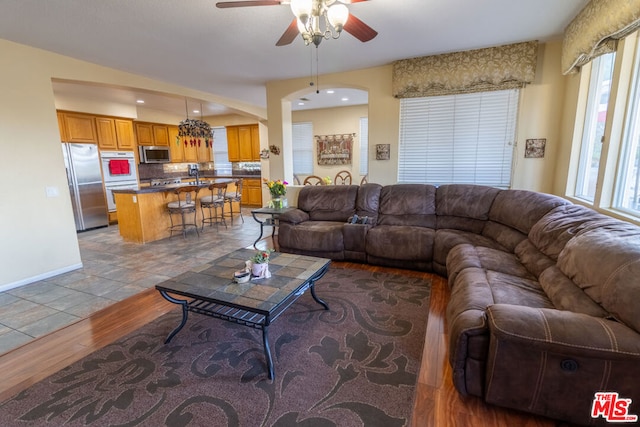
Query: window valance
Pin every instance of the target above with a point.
(596, 30)
(496, 68)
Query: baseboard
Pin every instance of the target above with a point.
(39, 277)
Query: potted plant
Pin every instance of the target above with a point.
(260, 264)
(278, 190)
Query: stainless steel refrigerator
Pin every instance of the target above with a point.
(82, 162)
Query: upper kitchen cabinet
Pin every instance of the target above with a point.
(175, 145)
(61, 127)
(106, 133)
(115, 134)
(124, 134)
(152, 134)
(243, 143)
(205, 151)
(79, 128)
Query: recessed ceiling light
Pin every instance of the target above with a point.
(331, 91)
(196, 111)
(140, 101)
(300, 103)
(345, 99)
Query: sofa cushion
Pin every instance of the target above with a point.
(521, 209)
(604, 260)
(328, 203)
(566, 295)
(488, 259)
(448, 239)
(408, 204)
(401, 242)
(464, 207)
(316, 236)
(368, 202)
(533, 260)
(552, 232)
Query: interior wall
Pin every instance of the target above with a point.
(540, 116)
(383, 113)
(38, 232)
(330, 121)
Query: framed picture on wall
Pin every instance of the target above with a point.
(534, 148)
(383, 151)
(334, 149)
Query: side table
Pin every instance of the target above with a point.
(271, 220)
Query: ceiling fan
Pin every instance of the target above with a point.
(335, 17)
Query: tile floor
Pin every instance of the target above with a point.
(112, 271)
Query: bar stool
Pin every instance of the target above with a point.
(235, 196)
(213, 202)
(186, 204)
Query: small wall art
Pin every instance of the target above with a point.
(534, 148)
(383, 151)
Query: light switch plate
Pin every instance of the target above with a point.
(52, 191)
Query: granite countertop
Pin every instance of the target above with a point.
(204, 183)
(203, 177)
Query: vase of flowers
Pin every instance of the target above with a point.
(278, 190)
(260, 264)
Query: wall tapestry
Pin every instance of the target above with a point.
(334, 149)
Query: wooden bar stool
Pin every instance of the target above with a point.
(213, 202)
(235, 196)
(186, 204)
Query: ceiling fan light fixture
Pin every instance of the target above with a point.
(337, 15)
(302, 9)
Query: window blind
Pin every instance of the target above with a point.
(221, 151)
(456, 139)
(302, 141)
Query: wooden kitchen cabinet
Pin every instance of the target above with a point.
(175, 145)
(79, 128)
(243, 143)
(115, 134)
(251, 192)
(106, 128)
(124, 134)
(61, 127)
(152, 134)
(205, 152)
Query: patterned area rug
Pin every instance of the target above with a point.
(355, 365)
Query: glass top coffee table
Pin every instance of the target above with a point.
(211, 291)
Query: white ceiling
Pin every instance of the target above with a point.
(232, 52)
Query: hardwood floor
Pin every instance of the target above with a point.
(437, 403)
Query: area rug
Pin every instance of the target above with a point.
(354, 365)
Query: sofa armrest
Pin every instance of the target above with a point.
(552, 362)
(294, 216)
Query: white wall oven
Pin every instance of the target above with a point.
(119, 172)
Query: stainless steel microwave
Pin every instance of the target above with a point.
(154, 154)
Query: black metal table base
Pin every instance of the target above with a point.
(243, 315)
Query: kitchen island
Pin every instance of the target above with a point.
(143, 216)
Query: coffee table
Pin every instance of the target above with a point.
(211, 291)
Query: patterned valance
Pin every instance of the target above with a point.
(496, 68)
(596, 30)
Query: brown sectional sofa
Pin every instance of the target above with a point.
(544, 294)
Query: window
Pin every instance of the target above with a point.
(628, 190)
(221, 151)
(364, 146)
(595, 118)
(466, 138)
(302, 141)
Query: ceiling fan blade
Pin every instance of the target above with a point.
(359, 29)
(227, 4)
(289, 34)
